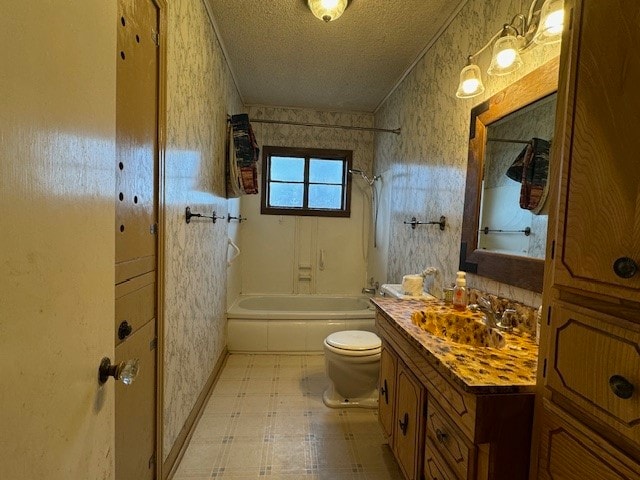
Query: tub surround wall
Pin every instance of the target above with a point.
(426, 165)
(200, 93)
(273, 247)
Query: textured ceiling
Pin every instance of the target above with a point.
(281, 55)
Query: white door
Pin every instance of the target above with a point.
(57, 150)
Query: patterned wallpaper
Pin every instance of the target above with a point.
(424, 168)
(200, 94)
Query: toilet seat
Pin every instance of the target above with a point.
(355, 343)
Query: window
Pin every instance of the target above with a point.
(303, 181)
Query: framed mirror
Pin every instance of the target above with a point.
(504, 223)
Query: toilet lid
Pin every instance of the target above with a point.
(354, 340)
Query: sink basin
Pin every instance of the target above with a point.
(395, 290)
(466, 328)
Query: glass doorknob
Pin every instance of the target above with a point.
(126, 372)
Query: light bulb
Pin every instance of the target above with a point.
(327, 10)
(505, 58)
(470, 86)
(554, 22)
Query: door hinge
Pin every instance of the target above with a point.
(152, 460)
(544, 369)
(153, 344)
(153, 229)
(155, 36)
(553, 249)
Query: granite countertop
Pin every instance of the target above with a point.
(480, 370)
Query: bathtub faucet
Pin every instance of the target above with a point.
(369, 291)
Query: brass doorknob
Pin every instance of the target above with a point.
(126, 372)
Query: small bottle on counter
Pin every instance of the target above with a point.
(460, 292)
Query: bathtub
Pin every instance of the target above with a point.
(293, 323)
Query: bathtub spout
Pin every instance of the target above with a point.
(369, 291)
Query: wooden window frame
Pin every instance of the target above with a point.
(307, 153)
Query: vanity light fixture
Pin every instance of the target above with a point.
(470, 81)
(551, 22)
(327, 10)
(506, 57)
(543, 26)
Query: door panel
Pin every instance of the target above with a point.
(387, 391)
(135, 408)
(136, 130)
(602, 198)
(56, 239)
(136, 203)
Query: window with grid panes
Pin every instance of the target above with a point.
(305, 181)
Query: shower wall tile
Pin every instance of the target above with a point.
(200, 93)
(424, 168)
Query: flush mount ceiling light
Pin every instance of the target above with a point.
(327, 10)
(540, 26)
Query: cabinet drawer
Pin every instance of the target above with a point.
(451, 444)
(596, 365)
(570, 451)
(435, 468)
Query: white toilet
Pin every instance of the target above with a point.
(352, 363)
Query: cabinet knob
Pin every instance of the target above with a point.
(124, 330)
(441, 436)
(126, 372)
(404, 425)
(625, 267)
(621, 387)
(384, 390)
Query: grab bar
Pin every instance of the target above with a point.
(236, 253)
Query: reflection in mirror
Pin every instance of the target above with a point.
(507, 263)
(513, 208)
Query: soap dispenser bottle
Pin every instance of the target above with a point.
(460, 292)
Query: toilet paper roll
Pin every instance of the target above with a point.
(412, 285)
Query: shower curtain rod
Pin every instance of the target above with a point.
(344, 127)
(506, 140)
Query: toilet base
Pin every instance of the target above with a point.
(333, 400)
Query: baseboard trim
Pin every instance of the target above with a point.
(182, 441)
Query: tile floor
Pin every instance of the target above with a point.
(265, 418)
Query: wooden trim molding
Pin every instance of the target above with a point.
(514, 270)
(161, 231)
(170, 465)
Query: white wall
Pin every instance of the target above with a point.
(275, 247)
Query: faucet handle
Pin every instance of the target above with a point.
(485, 303)
(504, 320)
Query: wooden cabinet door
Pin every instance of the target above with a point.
(409, 426)
(569, 451)
(598, 240)
(595, 363)
(386, 390)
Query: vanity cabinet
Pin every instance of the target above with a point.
(588, 416)
(436, 429)
(400, 406)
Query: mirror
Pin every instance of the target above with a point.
(494, 168)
